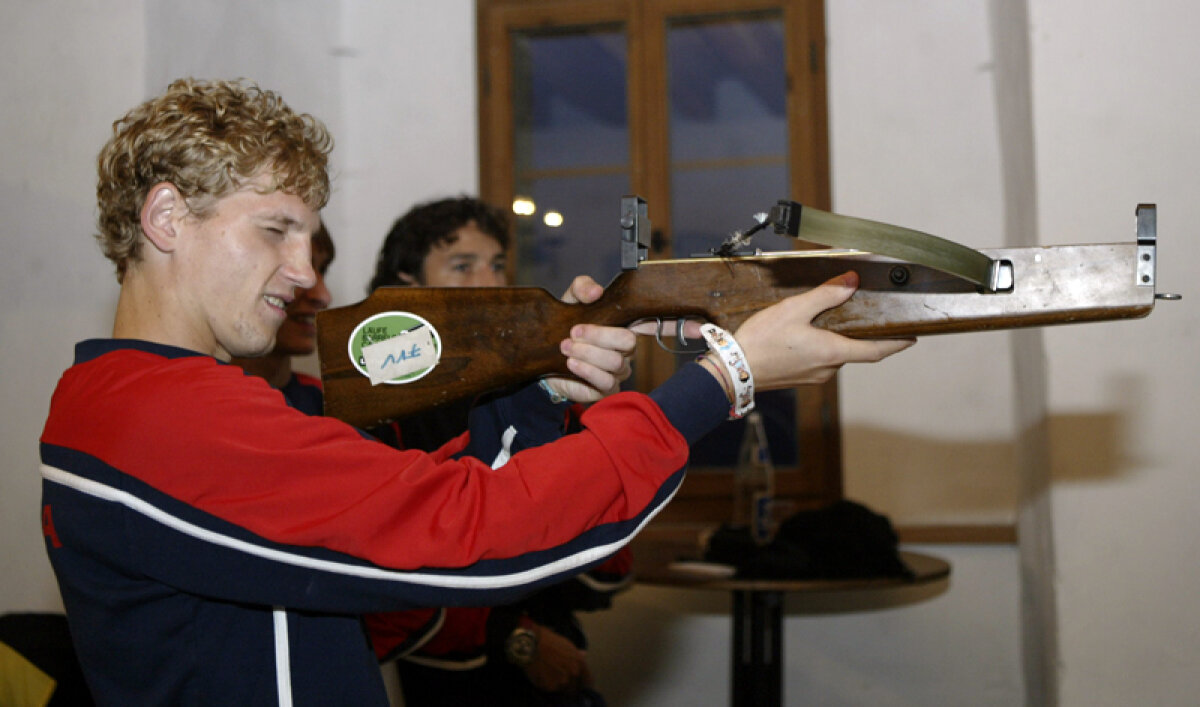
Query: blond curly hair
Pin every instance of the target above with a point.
(209, 139)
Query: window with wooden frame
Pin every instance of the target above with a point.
(711, 111)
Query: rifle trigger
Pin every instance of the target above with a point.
(658, 321)
(679, 337)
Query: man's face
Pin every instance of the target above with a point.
(298, 334)
(473, 259)
(239, 268)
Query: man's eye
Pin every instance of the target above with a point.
(462, 268)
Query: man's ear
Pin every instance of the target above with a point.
(406, 278)
(161, 212)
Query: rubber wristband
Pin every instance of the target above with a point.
(555, 397)
(726, 348)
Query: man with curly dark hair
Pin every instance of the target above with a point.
(453, 242)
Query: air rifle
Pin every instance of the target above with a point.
(406, 349)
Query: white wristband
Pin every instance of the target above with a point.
(726, 348)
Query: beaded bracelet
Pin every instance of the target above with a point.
(726, 348)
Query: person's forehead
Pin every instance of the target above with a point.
(278, 206)
(469, 240)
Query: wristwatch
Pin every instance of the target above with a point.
(521, 645)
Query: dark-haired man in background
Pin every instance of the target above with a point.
(465, 656)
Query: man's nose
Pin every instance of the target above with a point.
(298, 265)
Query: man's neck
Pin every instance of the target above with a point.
(146, 310)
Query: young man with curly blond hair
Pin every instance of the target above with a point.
(214, 545)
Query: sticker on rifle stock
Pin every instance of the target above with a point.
(394, 347)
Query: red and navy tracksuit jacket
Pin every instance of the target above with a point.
(214, 545)
(451, 655)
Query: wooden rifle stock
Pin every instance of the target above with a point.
(494, 337)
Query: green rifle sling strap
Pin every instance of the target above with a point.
(905, 244)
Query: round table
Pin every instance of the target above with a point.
(757, 646)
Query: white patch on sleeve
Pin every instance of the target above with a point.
(506, 441)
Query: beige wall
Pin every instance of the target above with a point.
(913, 133)
(916, 133)
(1113, 88)
(65, 80)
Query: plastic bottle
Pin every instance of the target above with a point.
(754, 482)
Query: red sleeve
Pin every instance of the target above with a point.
(225, 443)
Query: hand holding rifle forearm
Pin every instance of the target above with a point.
(785, 350)
(782, 348)
(778, 347)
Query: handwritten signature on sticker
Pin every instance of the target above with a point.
(408, 352)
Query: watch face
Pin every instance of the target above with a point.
(521, 647)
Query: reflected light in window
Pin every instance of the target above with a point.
(523, 206)
(553, 219)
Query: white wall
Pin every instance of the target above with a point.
(1116, 89)
(914, 140)
(64, 82)
(408, 86)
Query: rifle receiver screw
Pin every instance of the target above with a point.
(898, 275)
